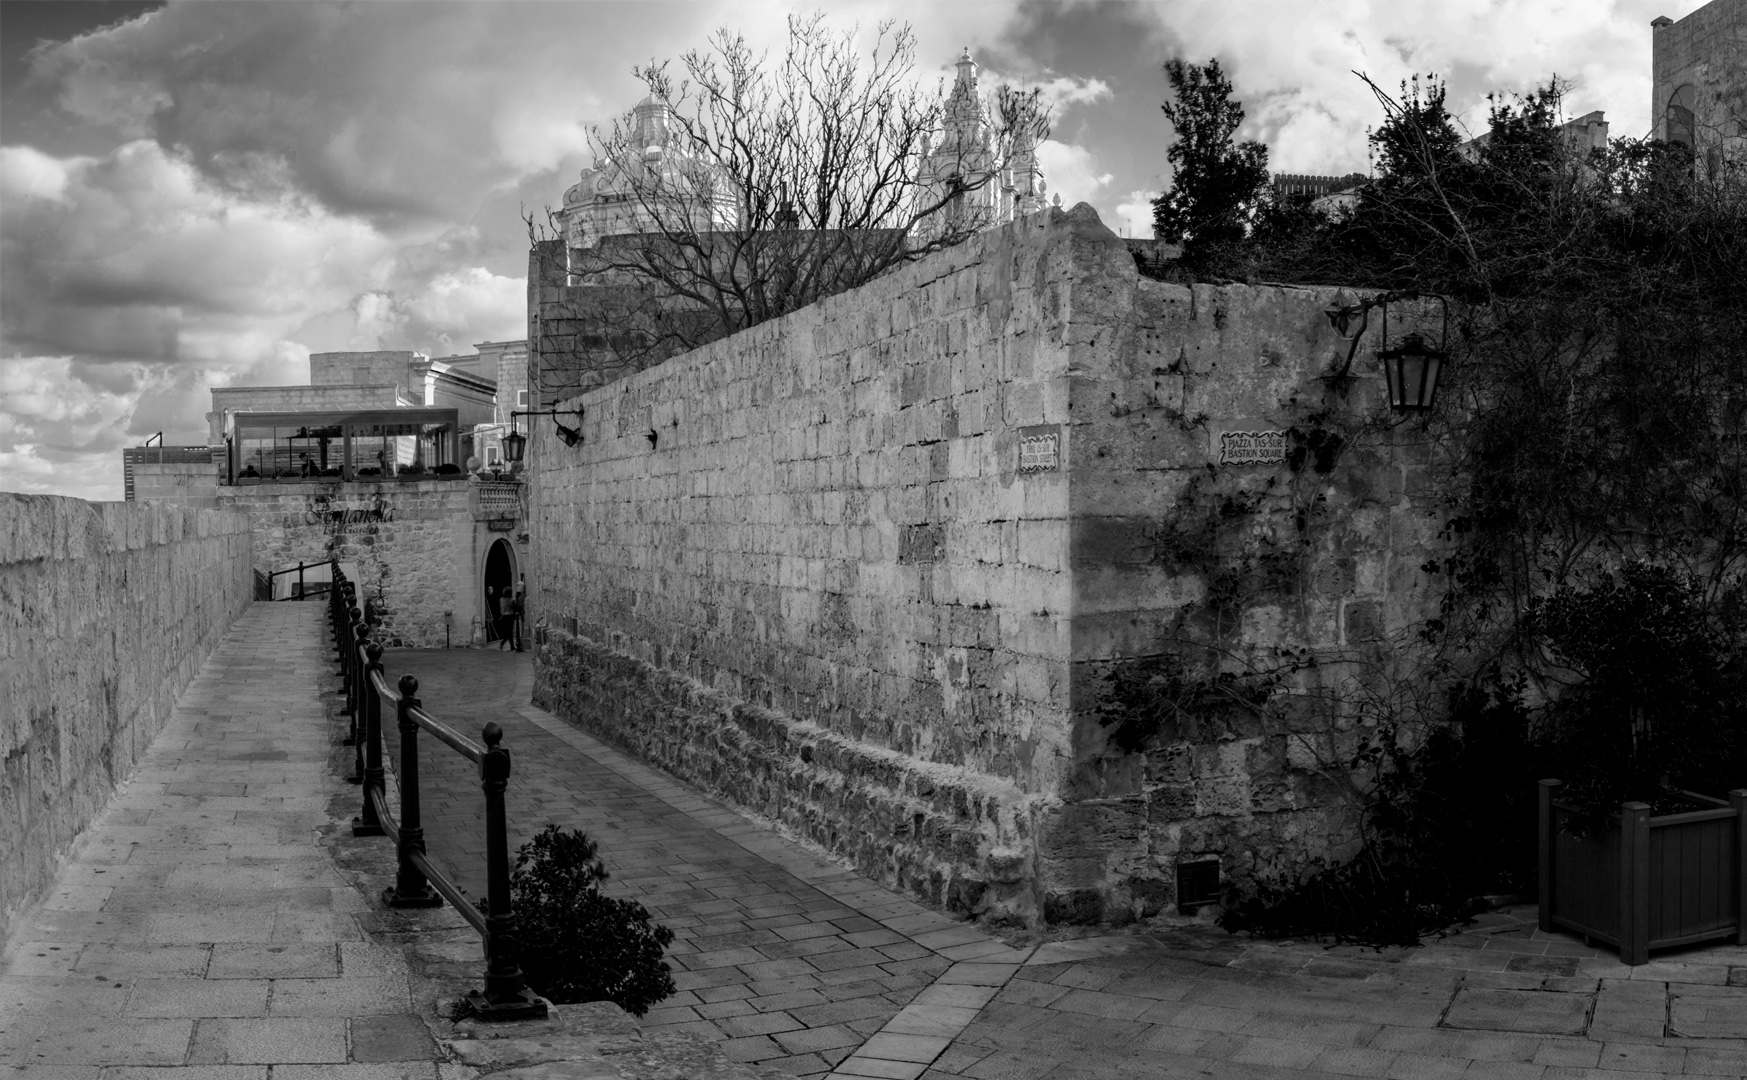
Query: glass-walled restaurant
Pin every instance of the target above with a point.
(373, 444)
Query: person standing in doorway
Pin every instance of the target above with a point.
(491, 615)
(512, 621)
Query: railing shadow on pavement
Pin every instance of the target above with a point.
(419, 883)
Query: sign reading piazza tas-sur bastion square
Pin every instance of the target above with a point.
(1252, 447)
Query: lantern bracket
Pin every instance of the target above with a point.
(515, 442)
(1342, 314)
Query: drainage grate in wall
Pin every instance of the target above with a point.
(1197, 885)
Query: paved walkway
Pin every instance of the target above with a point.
(788, 959)
(202, 931)
(795, 963)
(199, 930)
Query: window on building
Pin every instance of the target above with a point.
(521, 399)
(1681, 122)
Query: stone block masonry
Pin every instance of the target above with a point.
(107, 611)
(414, 548)
(867, 569)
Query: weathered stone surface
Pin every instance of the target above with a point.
(107, 611)
(872, 576)
(596, 1040)
(1535, 1011)
(414, 548)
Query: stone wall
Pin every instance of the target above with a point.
(187, 484)
(806, 573)
(415, 548)
(867, 570)
(1708, 51)
(390, 366)
(107, 611)
(1237, 512)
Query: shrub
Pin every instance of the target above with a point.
(1447, 823)
(1657, 687)
(578, 944)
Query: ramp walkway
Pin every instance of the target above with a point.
(200, 929)
(203, 930)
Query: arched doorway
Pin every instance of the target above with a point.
(500, 574)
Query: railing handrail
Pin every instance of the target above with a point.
(304, 592)
(462, 745)
(506, 995)
(300, 567)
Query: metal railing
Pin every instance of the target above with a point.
(418, 882)
(304, 589)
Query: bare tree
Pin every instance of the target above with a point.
(750, 188)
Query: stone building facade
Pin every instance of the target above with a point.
(419, 551)
(1698, 90)
(1002, 182)
(424, 549)
(867, 570)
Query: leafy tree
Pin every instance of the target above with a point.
(1217, 187)
(1590, 464)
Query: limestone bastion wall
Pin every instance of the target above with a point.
(107, 611)
(867, 570)
(411, 546)
(1236, 511)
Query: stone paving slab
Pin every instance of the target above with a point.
(793, 962)
(198, 931)
(785, 958)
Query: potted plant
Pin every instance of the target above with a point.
(1643, 844)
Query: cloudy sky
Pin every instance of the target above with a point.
(202, 194)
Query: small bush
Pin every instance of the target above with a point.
(1659, 689)
(1446, 824)
(579, 945)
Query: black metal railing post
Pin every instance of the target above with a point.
(360, 691)
(341, 623)
(353, 639)
(410, 889)
(506, 993)
(367, 823)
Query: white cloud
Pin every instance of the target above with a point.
(58, 432)
(27, 173)
(1071, 171)
(1134, 214)
(133, 284)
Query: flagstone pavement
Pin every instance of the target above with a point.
(201, 931)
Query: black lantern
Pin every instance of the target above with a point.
(1412, 369)
(514, 445)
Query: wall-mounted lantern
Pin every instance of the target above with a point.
(515, 444)
(1411, 368)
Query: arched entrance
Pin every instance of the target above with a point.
(500, 574)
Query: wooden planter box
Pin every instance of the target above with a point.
(1646, 882)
